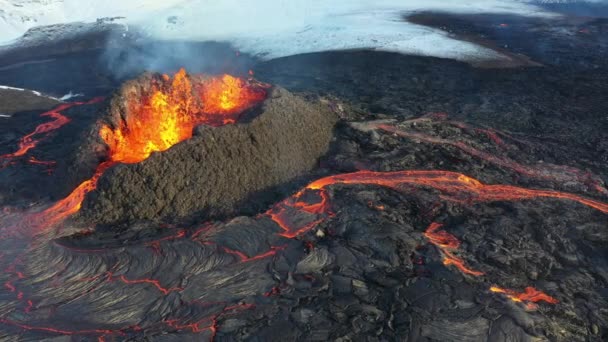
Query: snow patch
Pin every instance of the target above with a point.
(383, 31)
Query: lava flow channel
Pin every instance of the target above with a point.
(453, 186)
(163, 118)
(447, 243)
(31, 140)
(556, 173)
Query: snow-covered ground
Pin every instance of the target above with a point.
(65, 97)
(273, 28)
(37, 93)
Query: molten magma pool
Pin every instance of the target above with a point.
(159, 120)
(173, 109)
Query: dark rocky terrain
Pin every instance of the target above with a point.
(499, 182)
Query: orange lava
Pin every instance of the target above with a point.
(556, 173)
(170, 114)
(72, 203)
(452, 186)
(441, 238)
(447, 243)
(152, 282)
(283, 213)
(310, 206)
(529, 296)
(32, 139)
(227, 95)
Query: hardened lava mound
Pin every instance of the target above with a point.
(216, 147)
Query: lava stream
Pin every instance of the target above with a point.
(447, 243)
(453, 186)
(529, 296)
(557, 173)
(30, 141)
(72, 203)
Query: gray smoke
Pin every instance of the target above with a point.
(128, 54)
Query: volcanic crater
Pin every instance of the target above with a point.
(231, 156)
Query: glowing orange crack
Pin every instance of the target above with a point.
(155, 283)
(62, 331)
(545, 171)
(244, 258)
(446, 242)
(29, 141)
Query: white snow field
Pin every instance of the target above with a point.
(37, 93)
(273, 28)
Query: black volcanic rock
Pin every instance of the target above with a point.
(220, 168)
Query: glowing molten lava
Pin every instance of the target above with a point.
(228, 95)
(29, 141)
(447, 243)
(556, 173)
(452, 186)
(171, 112)
(529, 296)
(71, 204)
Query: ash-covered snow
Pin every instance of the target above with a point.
(268, 28)
(37, 93)
(18, 16)
(65, 97)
